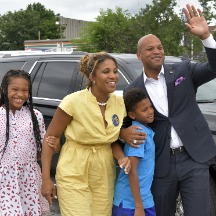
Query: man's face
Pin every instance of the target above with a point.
(151, 53)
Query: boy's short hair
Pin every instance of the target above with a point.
(132, 97)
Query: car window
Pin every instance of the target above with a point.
(81, 81)
(136, 68)
(56, 79)
(207, 92)
(122, 82)
(6, 66)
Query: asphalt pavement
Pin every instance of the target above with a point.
(54, 209)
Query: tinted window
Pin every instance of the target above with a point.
(207, 92)
(56, 79)
(81, 81)
(135, 67)
(123, 82)
(6, 66)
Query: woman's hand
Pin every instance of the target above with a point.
(48, 190)
(126, 163)
(54, 143)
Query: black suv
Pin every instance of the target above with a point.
(55, 75)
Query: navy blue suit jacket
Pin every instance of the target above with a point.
(184, 114)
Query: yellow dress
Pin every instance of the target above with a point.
(85, 173)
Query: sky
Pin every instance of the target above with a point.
(84, 9)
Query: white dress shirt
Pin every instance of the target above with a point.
(209, 42)
(157, 91)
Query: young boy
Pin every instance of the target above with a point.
(132, 194)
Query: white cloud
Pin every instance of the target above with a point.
(83, 9)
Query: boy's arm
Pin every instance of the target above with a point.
(120, 156)
(135, 187)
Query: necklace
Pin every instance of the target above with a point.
(102, 104)
(99, 103)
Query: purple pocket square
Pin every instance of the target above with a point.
(179, 80)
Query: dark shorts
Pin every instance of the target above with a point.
(120, 211)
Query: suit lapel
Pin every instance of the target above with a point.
(140, 84)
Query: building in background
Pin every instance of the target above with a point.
(73, 27)
(54, 45)
(69, 29)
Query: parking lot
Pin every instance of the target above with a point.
(54, 209)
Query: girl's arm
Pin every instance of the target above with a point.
(135, 187)
(56, 128)
(54, 143)
(120, 157)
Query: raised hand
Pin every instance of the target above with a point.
(196, 22)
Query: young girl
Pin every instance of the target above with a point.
(21, 131)
(132, 192)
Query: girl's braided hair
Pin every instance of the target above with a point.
(29, 104)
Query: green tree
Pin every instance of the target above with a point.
(160, 19)
(194, 45)
(47, 18)
(118, 31)
(23, 25)
(111, 32)
(209, 9)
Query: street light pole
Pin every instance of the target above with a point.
(60, 28)
(61, 37)
(38, 35)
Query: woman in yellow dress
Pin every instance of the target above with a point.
(90, 120)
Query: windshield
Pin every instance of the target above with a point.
(136, 67)
(207, 92)
(6, 66)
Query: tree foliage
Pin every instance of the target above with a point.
(119, 31)
(193, 45)
(160, 19)
(114, 30)
(111, 31)
(209, 8)
(23, 25)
